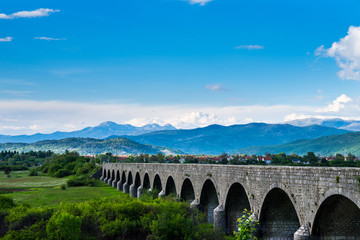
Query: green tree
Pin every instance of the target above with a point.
(63, 226)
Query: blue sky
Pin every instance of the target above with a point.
(66, 64)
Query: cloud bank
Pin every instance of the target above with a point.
(29, 117)
(346, 53)
(41, 12)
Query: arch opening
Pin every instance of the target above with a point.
(170, 186)
(157, 184)
(278, 217)
(337, 218)
(137, 183)
(129, 182)
(146, 183)
(113, 175)
(187, 191)
(236, 202)
(123, 180)
(109, 174)
(117, 176)
(208, 200)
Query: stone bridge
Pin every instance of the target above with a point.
(288, 202)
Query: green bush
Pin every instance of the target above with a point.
(35, 232)
(6, 202)
(33, 172)
(63, 226)
(77, 181)
(24, 216)
(61, 173)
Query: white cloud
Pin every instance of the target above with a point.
(250, 47)
(337, 104)
(41, 12)
(49, 38)
(200, 2)
(6, 39)
(215, 87)
(347, 54)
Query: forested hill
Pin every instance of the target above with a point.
(85, 146)
(323, 146)
(216, 139)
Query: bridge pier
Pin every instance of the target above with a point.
(219, 218)
(119, 186)
(126, 188)
(139, 192)
(132, 190)
(105, 180)
(114, 183)
(195, 204)
(302, 233)
(109, 182)
(161, 194)
(102, 178)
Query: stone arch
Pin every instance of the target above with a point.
(208, 200)
(338, 217)
(137, 183)
(146, 182)
(236, 202)
(157, 187)
(187, 193)
(118, 175)
(109, 176)
(170, 186)
(123, 181)
(278, 216)
(129, 181)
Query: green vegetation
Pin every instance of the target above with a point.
(246, 227)
(119, 217)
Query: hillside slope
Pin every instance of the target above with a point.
(323, 146)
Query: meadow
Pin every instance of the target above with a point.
(43, 190)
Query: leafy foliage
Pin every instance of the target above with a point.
(120, 217)
(246, 227)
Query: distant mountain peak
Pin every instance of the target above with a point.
(107, 124)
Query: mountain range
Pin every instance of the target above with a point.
(216, 139)
(350, 125)
(101, 131)
(323, 146)
(87, 146)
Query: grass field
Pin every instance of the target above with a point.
(46, 191)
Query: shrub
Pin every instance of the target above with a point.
(23, 216)
(246, 227)
(61, 173)
(33, 172)
(77, 181)
(35, 232)
(6, 202)
(63, 226)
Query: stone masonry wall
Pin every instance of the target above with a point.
(307, 187)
